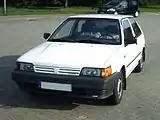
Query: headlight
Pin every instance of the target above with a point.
(24, 66)
(99, 72)
(91, 72)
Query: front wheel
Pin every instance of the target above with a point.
(118, 91)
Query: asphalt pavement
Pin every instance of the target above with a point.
(141, 101)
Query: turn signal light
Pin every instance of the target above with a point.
(106, 71)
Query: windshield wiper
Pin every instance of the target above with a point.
(90, 41)
(61, 40)
(96, 41)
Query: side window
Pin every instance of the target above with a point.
(127, 31)
(136, 28)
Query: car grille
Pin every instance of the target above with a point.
(57, 70)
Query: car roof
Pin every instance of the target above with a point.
(108, 16)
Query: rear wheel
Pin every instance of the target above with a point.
(118, 91)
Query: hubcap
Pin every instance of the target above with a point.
(136, 14)
(116, 13)
(119, 88)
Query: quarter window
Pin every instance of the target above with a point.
(126, 29)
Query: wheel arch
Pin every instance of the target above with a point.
(123, 70)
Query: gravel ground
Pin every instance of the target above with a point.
(141, 100)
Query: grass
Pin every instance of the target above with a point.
(149, 10)
(53, 10)
(152, 6)
(61, 10)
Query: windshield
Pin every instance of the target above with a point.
(113, 2)
(88, 30)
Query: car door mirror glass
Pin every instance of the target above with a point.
(132, 41)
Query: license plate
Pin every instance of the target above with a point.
(55, 86)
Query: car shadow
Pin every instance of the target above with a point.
(11, 96)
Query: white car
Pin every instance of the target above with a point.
(87, 56)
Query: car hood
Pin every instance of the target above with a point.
(69, 54)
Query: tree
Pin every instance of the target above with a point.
(65, 3)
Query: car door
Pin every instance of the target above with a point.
(137, 34)
(130, 50)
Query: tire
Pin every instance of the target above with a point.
(116, 98)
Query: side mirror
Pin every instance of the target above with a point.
(46, 35)
(132, 41)
(129, 38)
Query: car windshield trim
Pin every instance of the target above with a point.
(94, 41)
(61, 40)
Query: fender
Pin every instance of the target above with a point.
(116, 61)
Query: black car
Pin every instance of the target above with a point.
(125, 7)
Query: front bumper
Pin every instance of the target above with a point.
(82, 86)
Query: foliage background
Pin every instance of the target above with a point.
(65, 3)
